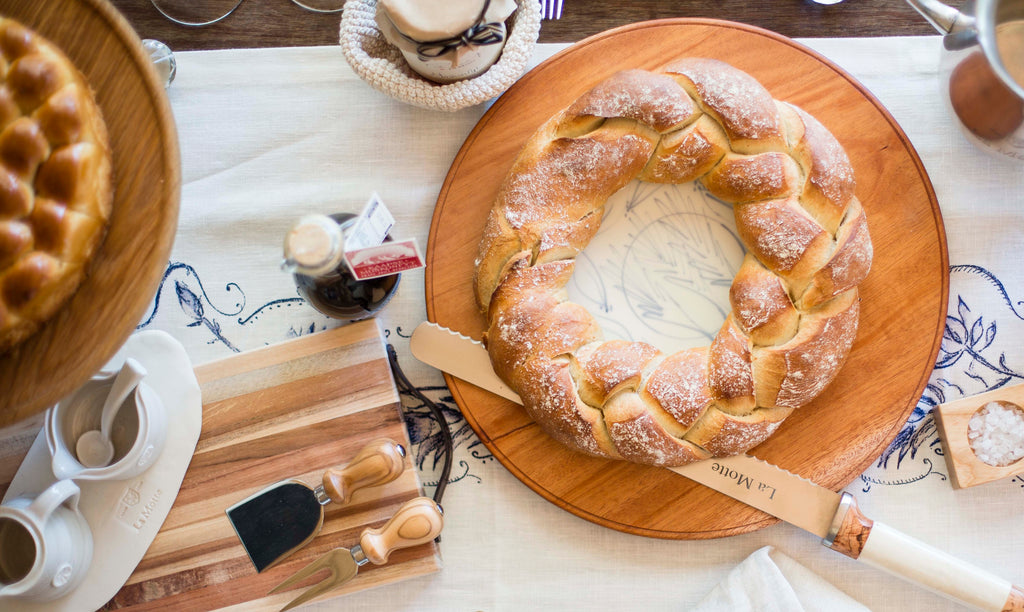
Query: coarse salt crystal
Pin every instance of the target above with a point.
(996, 433)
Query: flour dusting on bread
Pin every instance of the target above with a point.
(795, 303)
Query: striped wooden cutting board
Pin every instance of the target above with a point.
(288, 410)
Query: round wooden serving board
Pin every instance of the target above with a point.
(125, 273)
(903, 301)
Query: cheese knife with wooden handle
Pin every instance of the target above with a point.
(834, 517)
(280, 519)
(418, 521)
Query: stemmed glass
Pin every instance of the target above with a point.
(206, 12)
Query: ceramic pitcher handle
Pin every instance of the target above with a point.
(50, 499)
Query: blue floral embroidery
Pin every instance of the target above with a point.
(425, 432)
(969, 362)
(200, 310)
(192, 304)
(967, 336)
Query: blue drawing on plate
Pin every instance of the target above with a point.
(974, 357)
(686, 247)
(660, 268)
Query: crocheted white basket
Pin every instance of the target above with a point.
(381, 64)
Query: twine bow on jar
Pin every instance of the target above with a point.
(480, 33)
(446, 41)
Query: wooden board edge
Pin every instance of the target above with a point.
(281, 352)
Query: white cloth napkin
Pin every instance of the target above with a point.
(770, 581)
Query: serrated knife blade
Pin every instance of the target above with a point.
(768, 488)
(834, 517)
(458, 355)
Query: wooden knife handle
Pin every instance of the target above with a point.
(887, 549)
(379, 462)
(418, 521)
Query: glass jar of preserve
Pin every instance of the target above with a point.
(314, 252)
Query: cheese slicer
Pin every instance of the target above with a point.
(280, 519)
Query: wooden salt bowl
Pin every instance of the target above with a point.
(965, 468)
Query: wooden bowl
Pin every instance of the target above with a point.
(126, 272)
(953, 419)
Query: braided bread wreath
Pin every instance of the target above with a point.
(794, 299)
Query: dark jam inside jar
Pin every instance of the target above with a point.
(338, 294)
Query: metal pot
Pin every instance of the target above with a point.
(982, 67)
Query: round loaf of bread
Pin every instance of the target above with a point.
(794, 300)
(55, 180)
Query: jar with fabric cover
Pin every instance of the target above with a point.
(446, 40)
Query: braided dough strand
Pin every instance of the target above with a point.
(794, 301)
(56, 189)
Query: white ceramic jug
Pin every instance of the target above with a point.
(140, 431)
(45, 544)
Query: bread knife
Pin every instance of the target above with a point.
(833, 517)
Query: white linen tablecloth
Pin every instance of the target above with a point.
(267, 135)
